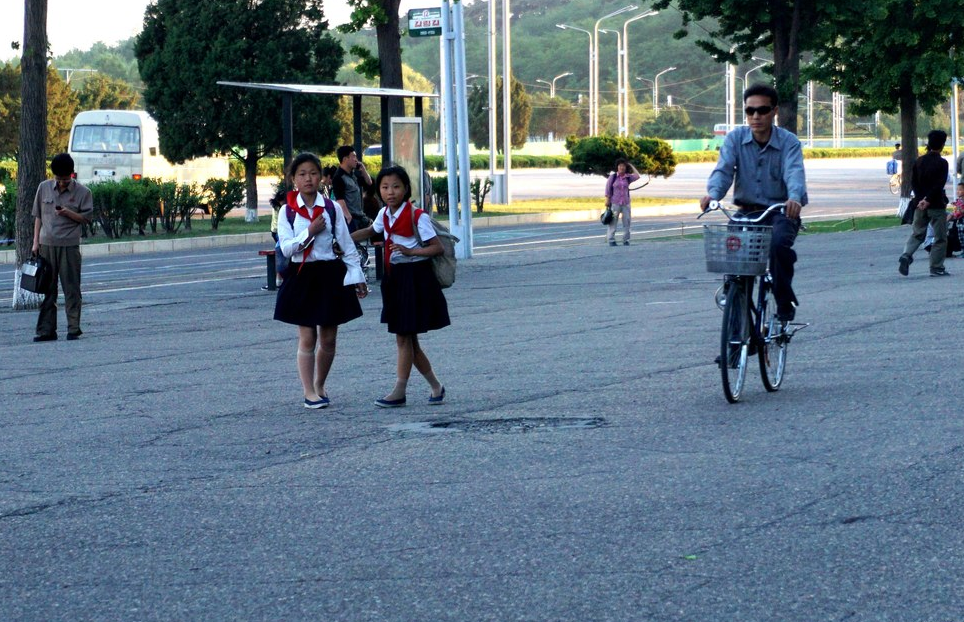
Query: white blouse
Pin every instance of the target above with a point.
(425, 229)
(292, 236)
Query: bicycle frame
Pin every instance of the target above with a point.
(749, 325)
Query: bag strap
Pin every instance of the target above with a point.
(416, 213)
(330, 208)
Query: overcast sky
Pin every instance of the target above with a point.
(78, 24)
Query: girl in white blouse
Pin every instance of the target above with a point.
(324, 280)
(412, 300)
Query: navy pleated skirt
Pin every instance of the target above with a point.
(412, 300)
(315, 296)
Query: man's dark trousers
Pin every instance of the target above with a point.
(65, 267)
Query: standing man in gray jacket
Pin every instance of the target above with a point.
(60, 208)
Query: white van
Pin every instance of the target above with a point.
(119, 144)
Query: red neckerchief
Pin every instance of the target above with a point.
(403, 227)
(316, 211)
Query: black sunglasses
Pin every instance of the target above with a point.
(750, 110)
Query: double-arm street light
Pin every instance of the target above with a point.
(656, 89)
(552, 85)
(594, 103)
(592, 65)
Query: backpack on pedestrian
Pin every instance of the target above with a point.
(444, 264)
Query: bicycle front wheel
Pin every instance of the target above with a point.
(773, 349)
(735, 338)
(895, 183)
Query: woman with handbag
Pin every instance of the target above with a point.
(617, 199)
(412, 299)
(324, 282)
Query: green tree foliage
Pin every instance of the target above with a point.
(186, 47)
(102, 92)
(672, 123)
(597, 155)
(479, 115)
(61, 109)
(371, 107)
(553, 115)
(222, 195)
(116, 62)
(786, 27)
(9, 109)
(62, 103)
(383, 15)
(894, 55)
(8, 211)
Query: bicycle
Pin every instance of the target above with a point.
(740, 250)
(895, 181)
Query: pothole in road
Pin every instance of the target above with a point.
(514, 425)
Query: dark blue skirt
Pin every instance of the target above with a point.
(412, 300)
(315, 296)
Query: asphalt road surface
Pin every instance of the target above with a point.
(839, 183)
(585, 467)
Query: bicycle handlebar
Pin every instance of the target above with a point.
(734, 214)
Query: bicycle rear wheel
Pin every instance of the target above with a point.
(895, 183)
(735, 338)
(773, 349)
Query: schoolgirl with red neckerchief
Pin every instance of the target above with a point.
(324, 282)
(412, 299)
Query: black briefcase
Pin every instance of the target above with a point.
(35, 275)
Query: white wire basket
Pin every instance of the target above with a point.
(737, 249)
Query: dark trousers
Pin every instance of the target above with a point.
(65, 267)
(782, 258)
(782, 255)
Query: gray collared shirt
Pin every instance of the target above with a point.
(764, 175)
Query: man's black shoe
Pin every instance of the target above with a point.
(39, 338)
(904, 266)
(939, 272)
(787, 314)
(74, 336)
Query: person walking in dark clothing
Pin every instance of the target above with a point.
(929, 176)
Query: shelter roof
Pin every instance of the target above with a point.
(328, 89)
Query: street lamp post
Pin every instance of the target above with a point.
(552, 85)
(656, 89)
(594, 101)
(592, 61)
(763, 63)
(552, 94)
(624, 122)
(619, 76)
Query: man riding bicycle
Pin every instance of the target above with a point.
(767, 163)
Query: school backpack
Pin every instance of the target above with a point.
(892, 167)
(282, 264)
(443, 265)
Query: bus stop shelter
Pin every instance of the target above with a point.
(288, 92)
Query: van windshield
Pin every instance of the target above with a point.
(106, 139)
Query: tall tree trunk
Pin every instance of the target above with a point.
(390, 60)
(31, 156)
(251, 185)
(786, 59)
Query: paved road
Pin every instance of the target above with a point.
(838, 183)
(586, 466)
